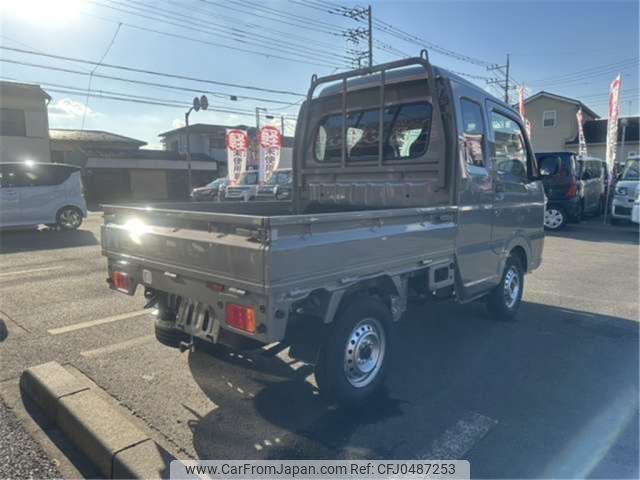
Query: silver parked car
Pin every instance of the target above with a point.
(246, 188)
(627, 190)
(279, 178)
(33, 193)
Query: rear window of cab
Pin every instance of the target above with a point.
(406, 132)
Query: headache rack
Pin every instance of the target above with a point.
(344, 167)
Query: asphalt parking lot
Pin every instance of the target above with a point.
(554, 394)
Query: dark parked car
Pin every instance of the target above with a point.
(572, 187)
(211, 191)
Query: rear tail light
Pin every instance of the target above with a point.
(572, 191)
(121, 281)
(242, 318)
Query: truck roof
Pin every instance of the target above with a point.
(403, 75)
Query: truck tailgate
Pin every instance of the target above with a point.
(230, 250)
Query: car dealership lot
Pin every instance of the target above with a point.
(553, 394)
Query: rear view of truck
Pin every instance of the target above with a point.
(328, 273)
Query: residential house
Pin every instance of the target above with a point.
(24, 123)
(595, 134)
(210, 140)
(116, 169)
(555, 127)
(553, 120)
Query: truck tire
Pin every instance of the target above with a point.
(504, 301)
(352, 361)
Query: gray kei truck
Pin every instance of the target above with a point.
(408, 183)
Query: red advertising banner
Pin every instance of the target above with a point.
(270, 140)
(237, 150)
(612, 123)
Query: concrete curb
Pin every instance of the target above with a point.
(96, 427)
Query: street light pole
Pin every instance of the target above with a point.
(188, 145)
(198, 103)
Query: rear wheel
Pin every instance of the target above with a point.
(504, 301)
(554, 218)
(69, 218)
(352, 362)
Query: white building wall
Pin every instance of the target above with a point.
(35, 145)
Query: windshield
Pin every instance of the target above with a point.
(631, 170)
(214, 184)
(248, 178)
(279, 178)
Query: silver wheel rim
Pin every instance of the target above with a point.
(364, 352)
(70, 218)
(511, 287)
(553, 218)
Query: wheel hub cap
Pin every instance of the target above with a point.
(552, 218)
(511, 287)
(69, 218)
(364, 352)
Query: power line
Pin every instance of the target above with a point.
(93, 71)
(236, 21)
(274, 52)
(146, 83)
(208, 27)
(151, 72)
(587, 73)
(305, 24)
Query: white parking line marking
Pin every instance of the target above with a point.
(459, 439)
(93, 323)
(117, 346)
(26, 272)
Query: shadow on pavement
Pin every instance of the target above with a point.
(560, 386)
(12, 241)
(594, 230)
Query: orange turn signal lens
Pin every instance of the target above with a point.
(242, 318)
(121, 281)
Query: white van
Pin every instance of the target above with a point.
(34, 193)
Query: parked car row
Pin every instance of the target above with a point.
(578, 186)
(247, 188)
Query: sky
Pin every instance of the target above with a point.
(572, 48)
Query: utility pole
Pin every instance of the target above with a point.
(506, 83)
(282, 125)
(504, 69)
(370, 37)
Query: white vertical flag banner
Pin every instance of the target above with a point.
(612, 123)
(237, 150)
(582, 144)
(270, 140)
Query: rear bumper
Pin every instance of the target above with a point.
(621, 207)
(201, 305)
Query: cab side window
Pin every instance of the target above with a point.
(510, 155)
(473, 132)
